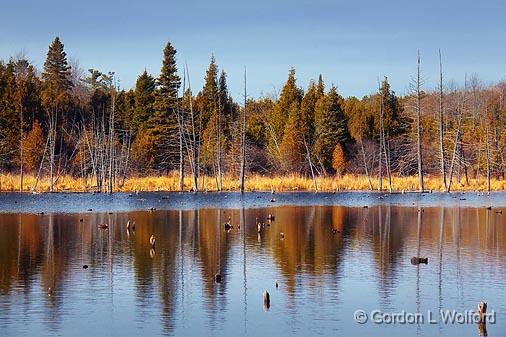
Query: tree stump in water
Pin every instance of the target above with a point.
(217, 278)
(267, 300)
(418, 260)
(482, 321)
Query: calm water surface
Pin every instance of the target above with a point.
(332, 261)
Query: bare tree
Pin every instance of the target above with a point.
(441, 126)
(243, 138)
(458, 135)
(419, 125)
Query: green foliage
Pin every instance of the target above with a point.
(56, 75)
(278, 119)
(279, 131)
(144, 101)
(331, 127)
(162, 125)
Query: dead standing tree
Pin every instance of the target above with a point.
(441, 127)
(419, 125)
(243, 138)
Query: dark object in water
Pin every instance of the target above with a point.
(103, 226)
(270, 217)
(267, 300)
(151, 209)
(81, 220)
(498, 212)
(49, 291)
(334, 231)
(273, 200)
(90, 209)
(217, 278)
(489, 208)
(277, 285)
(41, 213)
(365, 206)
(227, 225)
(85, 266)
(418, 260)
(482, 311)
(462, 199)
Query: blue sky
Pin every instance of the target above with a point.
(351, 43)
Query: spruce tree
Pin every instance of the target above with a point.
(331, 127)
(56, 75)
(9, 119)
(292, 146)
(162, 125)
(279, 115)
(144, 99)
(208, 119)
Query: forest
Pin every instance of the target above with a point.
(62, 122)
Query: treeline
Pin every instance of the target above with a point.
(61, 120)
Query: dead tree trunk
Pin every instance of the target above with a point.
(111, 144)
(311, 166)
(380, 174)
(365, 165)
(419, 126)
(243, 138)
(487, 148)
(441, 127)
(21, 136)
(457, 138)
(181, 159)
(218, 150)
(194, 145)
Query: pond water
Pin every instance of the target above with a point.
(334, 257)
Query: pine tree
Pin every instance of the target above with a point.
(292, 145)
(279, 115)
(307, 107)
(331, 127)
(144, 99)
(56, 75)
(339, 159)
(208, 119)
(207, 104)
(299, 131)
(162, 125)
(9, 119)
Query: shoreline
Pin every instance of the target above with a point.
(254, 183)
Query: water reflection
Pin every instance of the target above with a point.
(331, 261)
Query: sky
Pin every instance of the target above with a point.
(351, 43)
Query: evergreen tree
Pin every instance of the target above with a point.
(292, 146)
(307, 108)
(162, 126)
(208, 109)
(279, 115)
(144, 99)
(331, 127)
(9, 119)
(56, 75)
(393, 121)
(207, 102)
(226, 106)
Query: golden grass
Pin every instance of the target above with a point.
(10, 182)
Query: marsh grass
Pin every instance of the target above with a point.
(10, 182)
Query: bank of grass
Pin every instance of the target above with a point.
(10, 182)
